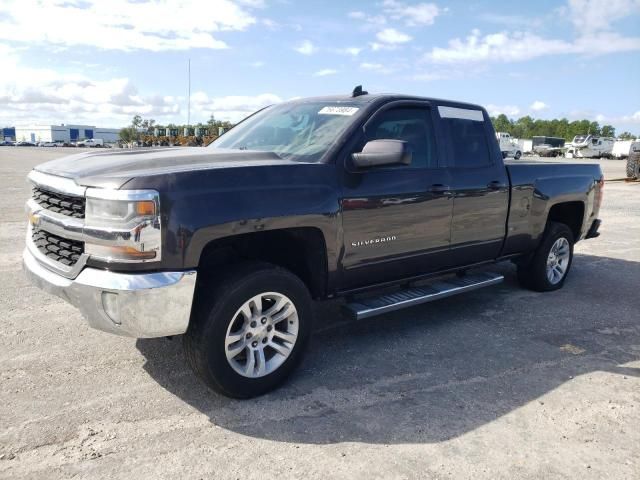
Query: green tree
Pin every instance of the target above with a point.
(627, 136)
(527, 127)
(136, 122)
(148, 124)
(608, 131)
(128, 134)
(211, 123)
(502, 123)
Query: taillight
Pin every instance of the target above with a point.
(599, 194)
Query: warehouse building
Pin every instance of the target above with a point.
(8, 134)
(64, 133)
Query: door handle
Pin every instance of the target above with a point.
(496, 185)
(440, 189)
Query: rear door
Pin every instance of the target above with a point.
(479, 183)
(396, 219)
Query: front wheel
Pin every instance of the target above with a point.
(249, 330)
(549, 266)
(517, 155)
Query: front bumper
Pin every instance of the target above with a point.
(136, 305)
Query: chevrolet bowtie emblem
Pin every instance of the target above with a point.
(34, 219)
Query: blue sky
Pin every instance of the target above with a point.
(101, 62)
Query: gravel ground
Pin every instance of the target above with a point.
(500, 383)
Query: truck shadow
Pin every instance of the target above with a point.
(437, 371)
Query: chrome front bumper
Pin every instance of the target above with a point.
(140, 305)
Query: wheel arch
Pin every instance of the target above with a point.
(571, 214)
(301, 250)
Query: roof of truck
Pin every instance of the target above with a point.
(371, 97)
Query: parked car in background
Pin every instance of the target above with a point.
(47, 144)
(508, 147)
(6, 143)
(91, 143)
(23, 143)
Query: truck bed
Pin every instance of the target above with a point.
(537, 186)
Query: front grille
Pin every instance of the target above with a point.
(57, 248)
(60, 203)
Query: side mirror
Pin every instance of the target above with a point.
(383, 152)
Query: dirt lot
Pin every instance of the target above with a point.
(500, 383)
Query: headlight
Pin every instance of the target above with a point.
(123, 225)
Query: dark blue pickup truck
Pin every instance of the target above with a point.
(364, 196)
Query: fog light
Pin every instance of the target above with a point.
(110, 306)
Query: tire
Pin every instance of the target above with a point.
(517, 155)
(633, 165)
(217, 316)
(534, 274)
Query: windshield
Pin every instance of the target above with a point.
(579, 138)
(294, 131)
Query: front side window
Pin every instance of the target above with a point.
(413, 125)
(293, 131)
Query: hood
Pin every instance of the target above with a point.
(114, 168)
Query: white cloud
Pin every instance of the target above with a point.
(42, 95)
(392, 36)
(353, 51)
(597, 15)
(370, 19)
(633, 118)
(270, 24)
(538, 106)
(233, 108)
(371, 66)
(257, 64)
(521, 46)
(412, 15)
(508, 110)
(306, 48)
(510, 20)
(125, 25)
(325, 72)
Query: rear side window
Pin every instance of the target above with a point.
(413, 125)
(466, 137)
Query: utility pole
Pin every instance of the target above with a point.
(189, 97)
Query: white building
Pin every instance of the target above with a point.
(64, 133)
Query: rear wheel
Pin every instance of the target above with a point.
(549, 266)
(633, 165)
(249, 330)
(517, 155)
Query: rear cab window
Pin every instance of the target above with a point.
(465, 136)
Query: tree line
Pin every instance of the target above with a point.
(527, 127)
(140, 127)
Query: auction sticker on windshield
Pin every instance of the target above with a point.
(348, 111)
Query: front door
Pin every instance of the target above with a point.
(396, 219)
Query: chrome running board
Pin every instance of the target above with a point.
(409, 297)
